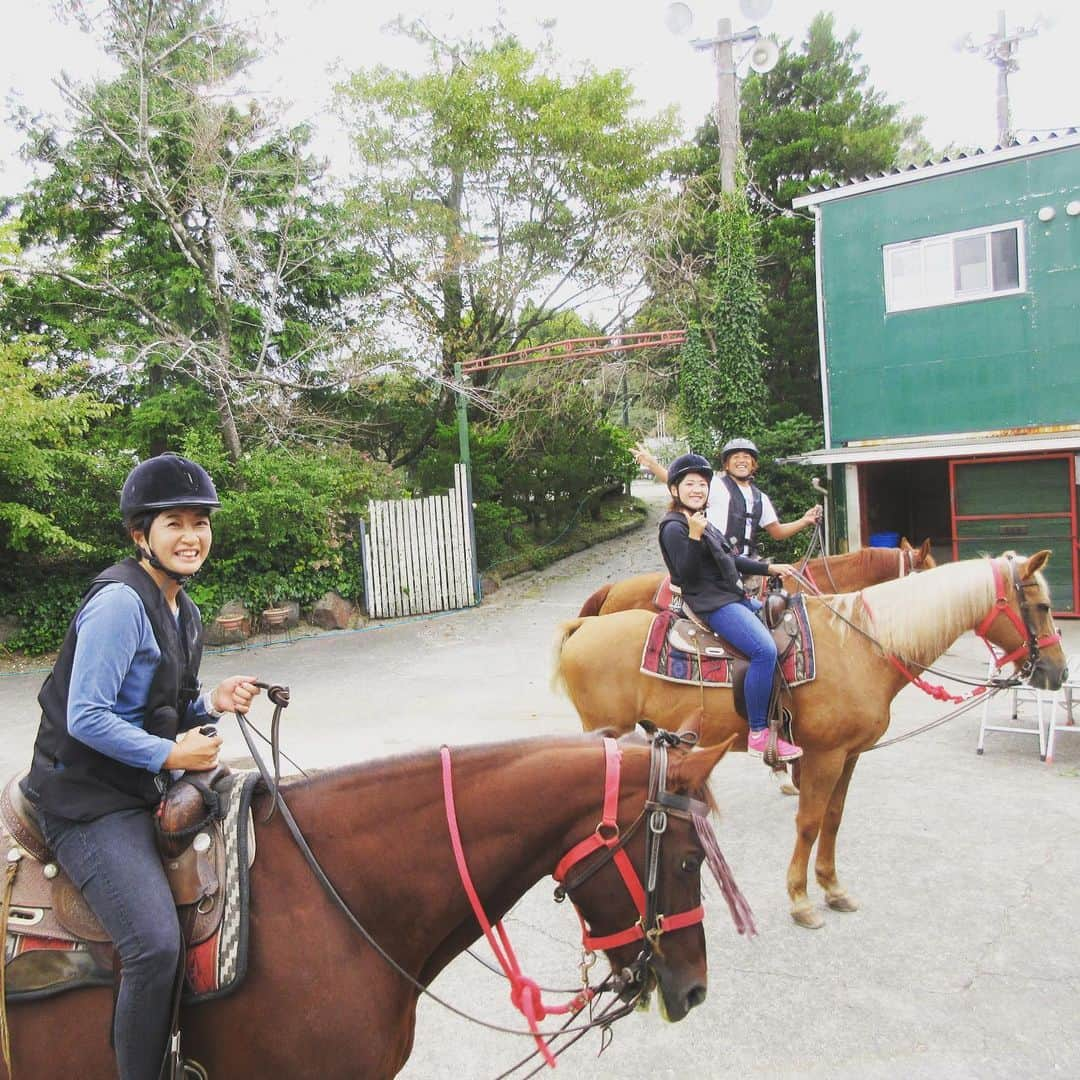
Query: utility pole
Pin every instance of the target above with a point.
(763, 56)
(1000, 49)
(727, 104)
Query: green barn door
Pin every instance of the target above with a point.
(1023, 505)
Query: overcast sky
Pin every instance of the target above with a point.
(909, 48)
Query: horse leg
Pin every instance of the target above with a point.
(825, 865)
(820, 773)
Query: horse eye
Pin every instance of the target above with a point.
(691, 864)
(1043, 609)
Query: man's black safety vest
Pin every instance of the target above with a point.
(735, 530)
(67, 777)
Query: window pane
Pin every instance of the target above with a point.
(971, 271)
(937, 267)
(905, 277)
(1005, 260)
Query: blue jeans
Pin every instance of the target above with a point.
(738, 624)
(115, 862)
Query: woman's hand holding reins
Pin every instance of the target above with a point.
(234, 694)
(781, 569)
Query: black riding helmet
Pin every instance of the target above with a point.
(688, 463)
(732, 445)
(164, 482)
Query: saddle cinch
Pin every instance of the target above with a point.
(44, 905)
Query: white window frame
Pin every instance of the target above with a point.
(892, 304)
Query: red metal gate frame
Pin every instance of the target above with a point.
(1070, 460)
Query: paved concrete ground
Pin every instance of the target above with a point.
(963, 961)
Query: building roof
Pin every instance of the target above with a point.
(1056, 140)
(979, 444)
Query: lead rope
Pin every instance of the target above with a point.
(5, 908)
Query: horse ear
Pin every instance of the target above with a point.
(691, 771)
(905, 544)
(924, 549)
(1035, 563)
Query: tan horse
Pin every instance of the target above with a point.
(846, 709)
(835, 574)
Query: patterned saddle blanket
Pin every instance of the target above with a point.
(53, 942)
(679, 650)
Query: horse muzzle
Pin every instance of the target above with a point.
(1047, 675)
(676, 998)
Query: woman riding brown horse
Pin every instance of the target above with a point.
(845, 710)
(318, 1001)
(835, 574)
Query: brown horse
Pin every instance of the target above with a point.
(318, 1001)
(836, 574)
(845, 710)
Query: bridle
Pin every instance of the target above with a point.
(1024, 623)
(524, 992)
(607, 837)
(659, 804)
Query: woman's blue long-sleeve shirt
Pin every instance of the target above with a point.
(116, 656)
(703, 582)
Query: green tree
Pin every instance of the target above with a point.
(181, 235)
(813, 121)
(494, 194)
(42, 423)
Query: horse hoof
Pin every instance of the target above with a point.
(842, 902)
(788, 789)
(808, 917)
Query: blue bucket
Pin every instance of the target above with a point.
(885, 539)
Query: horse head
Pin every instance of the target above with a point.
(649, 924)
(1026, 633)
(920, 557)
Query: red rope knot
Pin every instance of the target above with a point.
(525, 997)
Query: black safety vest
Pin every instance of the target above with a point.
(90, 784)
(726, 581)
(735, 530)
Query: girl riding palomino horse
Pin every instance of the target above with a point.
(702, 563)
(121, 710)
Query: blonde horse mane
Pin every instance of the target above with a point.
(921, 615)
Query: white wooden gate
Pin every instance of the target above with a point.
(420, 554)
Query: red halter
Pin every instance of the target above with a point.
(606, 835)
(1032, 644)
(525, 994)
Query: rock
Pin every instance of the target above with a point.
(489, 583)
(332, 612)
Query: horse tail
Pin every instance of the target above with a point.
(561, 636)
(595, 602)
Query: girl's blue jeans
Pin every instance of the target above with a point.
(738, 624)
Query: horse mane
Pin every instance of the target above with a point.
(919, 616)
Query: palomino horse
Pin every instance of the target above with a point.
(845, 710)
(318, 1001)
(836, 574)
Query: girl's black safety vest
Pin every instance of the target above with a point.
(726, 582)
(69, 778)
(737, 515)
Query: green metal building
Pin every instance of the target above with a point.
(949, 334)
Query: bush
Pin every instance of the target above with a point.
(287, 530)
